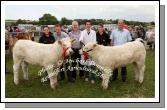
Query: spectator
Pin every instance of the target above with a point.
(101, 36)
(141, 32)
(120, 36)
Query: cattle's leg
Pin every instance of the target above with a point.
(16, 67)
(24, 66)
(141, 68)
(105, 78)
(52, 76)
(136, 71)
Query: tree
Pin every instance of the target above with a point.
(64, 21)
(19, 21)
(48, 19)
(152, 23)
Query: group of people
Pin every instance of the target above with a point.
(119, 36)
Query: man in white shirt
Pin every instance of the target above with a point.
(120, 36)
(88, 35)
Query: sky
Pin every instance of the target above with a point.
(144, 13)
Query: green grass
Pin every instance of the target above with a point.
(81, 89)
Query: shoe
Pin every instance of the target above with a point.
(92, 81)
(86, 79)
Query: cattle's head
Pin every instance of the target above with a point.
(88, 48)
(66, 44)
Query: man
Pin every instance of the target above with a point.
(58, 36)
(120, 36)
(101, 36)
(88, 35)
(76, 34)
(58, 33)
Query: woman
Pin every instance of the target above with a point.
(47, 37)
(101, 36)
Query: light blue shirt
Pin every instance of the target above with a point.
(120, 37)
(61, 36)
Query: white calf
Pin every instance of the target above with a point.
(109, 58)
(28, 52)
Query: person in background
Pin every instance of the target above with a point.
(141, 32)
(89, 35)
(120, 36)
(101, 36)
(76, 34)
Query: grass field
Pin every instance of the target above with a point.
(81, 89)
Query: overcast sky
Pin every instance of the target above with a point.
(129, 12)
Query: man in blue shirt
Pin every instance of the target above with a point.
(120, 36)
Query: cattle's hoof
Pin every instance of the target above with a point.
(104, 87)
(16, 82)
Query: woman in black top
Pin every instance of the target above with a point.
(47, 37)
(101, 36)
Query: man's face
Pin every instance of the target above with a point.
(58, 29)
(75, 26)
(88, 25)
(120, 23)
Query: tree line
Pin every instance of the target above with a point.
(48, 19)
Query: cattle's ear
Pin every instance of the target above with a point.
(60, 42)
(94, 45)
(72, 40)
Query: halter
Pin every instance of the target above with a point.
(64, 52)
(85, 53)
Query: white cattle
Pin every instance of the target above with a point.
(108, 58)
(150, 38)
(28, 52)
